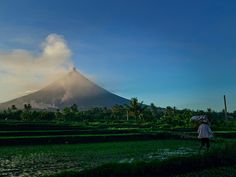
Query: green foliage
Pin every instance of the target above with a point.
(168, 118)
(26, 115)
(74, 108)
(136, 109)
(118, 112)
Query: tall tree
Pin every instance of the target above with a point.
(117, 111)
(136, 108)
(153, 110)
(27, 107)
(13, 107)
(74, 108)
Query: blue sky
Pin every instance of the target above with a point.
(178, 53)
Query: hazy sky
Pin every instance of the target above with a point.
(179, 53)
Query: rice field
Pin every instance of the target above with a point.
(37, 160)
(229, 171)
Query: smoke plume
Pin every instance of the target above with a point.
(22, 70)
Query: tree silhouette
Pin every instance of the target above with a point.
(117, 111)
(136, 108)
(74, 108)
(153, 110)
(27, 107)
(13, 107)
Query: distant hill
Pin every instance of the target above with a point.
(73, 88)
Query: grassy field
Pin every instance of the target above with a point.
(47, 159)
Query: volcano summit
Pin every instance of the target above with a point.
(73, 88)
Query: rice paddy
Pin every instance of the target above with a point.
(37, 160)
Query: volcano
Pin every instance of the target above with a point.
(73, 88)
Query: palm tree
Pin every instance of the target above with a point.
(136, 107)
(116, 111)
(169, 115)
(74, 108)
(13, 107)
(27, 107)
(153, 109)
(27, 114)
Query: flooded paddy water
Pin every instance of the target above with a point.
(49, 159)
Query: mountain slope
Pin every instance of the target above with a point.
(73, 88)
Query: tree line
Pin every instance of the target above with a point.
(134, 111)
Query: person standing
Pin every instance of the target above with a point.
(204, 134)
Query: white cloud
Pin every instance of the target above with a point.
(22, 70)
